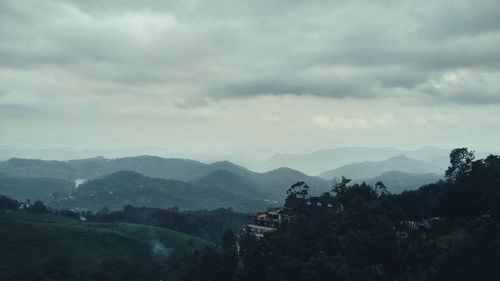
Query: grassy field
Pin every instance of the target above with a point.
(36, 241)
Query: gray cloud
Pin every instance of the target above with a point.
(363, 49)
(225, 74)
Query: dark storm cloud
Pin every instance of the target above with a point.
(194, 51)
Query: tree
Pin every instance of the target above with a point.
(381, 189)
(229, 254)
(340, 186)
(39, 207)
(228, 239)
(104, 211)
(326, 196)
(8, 204)
(461, 160)
(210, 265)
(298, 189)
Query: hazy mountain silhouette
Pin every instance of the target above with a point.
(397, 181)
(34, 188)
(225, 181)
(130, 188)
(316, 162)
(370, 169)
(272, 184)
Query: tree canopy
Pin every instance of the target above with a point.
(443, 231)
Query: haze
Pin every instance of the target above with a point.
(224, 78)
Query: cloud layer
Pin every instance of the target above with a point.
(95, 64)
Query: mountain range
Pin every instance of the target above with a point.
(130, 188)
(397, 181)
(370, 169)
(153, 181)
(167, 182)
(317, 162)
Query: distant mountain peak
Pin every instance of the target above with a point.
(223, 162)
(284, 170)
(401, 156)
(124, 174)
(314, 163)
(227, 165)
(370, 169)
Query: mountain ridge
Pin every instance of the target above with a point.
(370, 169)
(131, 188)
(316, 162)
(272, 183)
(398, 181)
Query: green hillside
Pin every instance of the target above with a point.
(445, 231)
(46, 245)
(130, 188)
(272, 184)
(34, 188)
(225, 181)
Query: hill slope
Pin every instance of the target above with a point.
(34, 188)
(131, 188)
(225, 181)
(27, 239)
(316, 162)
(279, 180)
(397, 181)
(271, 185)
(181, 169)
(370, 169)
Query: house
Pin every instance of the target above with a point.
(270, 220)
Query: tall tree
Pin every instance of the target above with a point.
(298, 189)
(461, 160)
(340, 186)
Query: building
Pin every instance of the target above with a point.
(270, 220)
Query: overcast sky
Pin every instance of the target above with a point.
(251, 77)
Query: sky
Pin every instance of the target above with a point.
(249, 78)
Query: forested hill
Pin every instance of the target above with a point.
(130, 188)
(44, 247)
(443, 231)
(272, 183)
(446, 231)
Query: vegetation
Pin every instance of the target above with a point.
(207, 224)
(269, 185)
(130, 188)
(39, 246)
(35, 188)
(443, 231)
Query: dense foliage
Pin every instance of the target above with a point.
(444, 231)
(8, 204)
(206, 224)
(35, 188)
(129, 188)
(46, 246)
